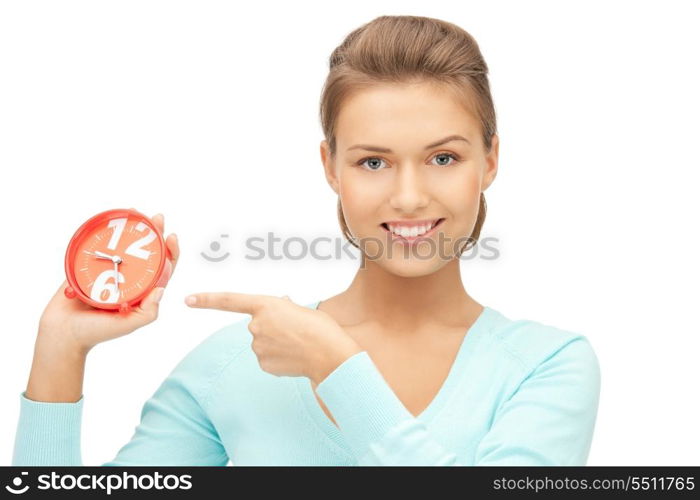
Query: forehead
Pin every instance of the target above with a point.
(394, 114)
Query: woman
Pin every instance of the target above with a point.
(404, 366)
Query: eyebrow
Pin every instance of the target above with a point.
(379, 149)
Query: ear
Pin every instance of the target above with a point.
(329, 166)
(491, 164)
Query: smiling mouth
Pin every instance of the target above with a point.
(412, 238)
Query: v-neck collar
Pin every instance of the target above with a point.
(466, 348)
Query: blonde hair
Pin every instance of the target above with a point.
(403, 49)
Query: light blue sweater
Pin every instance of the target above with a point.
(519, 393)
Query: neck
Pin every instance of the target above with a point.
(409, 303)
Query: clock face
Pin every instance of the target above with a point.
(117, 259)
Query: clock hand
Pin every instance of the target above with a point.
(116, 277)
(100, 255)
(117, 260)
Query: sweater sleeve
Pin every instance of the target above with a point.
(548, 420)
(173, 430)
(174, 427)
(48, 433)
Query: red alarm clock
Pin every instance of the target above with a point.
(115, 259)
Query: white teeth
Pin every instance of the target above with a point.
(411, 232)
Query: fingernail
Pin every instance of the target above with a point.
(190, 300)
(159, 295)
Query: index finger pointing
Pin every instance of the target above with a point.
(225, 301)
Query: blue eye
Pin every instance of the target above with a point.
(446, 155)
(378, 161)
(362, 162)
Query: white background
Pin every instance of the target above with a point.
(208, 113)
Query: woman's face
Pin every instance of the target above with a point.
(389, 167)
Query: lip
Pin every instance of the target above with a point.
(411, 222)
(414, 239)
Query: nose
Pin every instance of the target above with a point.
(409, 192)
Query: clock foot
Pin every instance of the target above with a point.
(69, 292)
(124, 307)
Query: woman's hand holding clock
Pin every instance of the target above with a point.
(69, 326)
(75, 325)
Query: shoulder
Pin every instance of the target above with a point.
(536, 347)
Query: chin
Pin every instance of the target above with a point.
(410, 267)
